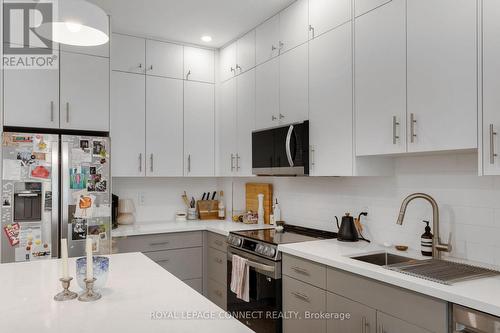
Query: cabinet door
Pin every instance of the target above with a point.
(128, 124)
(442, 75)
(84, 91)
(294, 25)
(364, 6)
(300, 297)
(380, 80)
(199, 129)
(330, 102)
(128, 54)
(325, 15)
(37, 103)
(245, 122)
(164, 59)
(226, 131)
(267, 94)
(227, 62)
(389, 324)
(294, 104)
(491, 82)
(164, 127)
(245, 59)
(199, 64)
(363, 319)
(267, 37)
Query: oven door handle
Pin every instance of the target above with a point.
(256, 265)
(287, 145)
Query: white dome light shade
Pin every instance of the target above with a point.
(76, 22)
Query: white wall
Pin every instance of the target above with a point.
(162, 196)
(470, 205)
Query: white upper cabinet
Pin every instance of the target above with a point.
(245, 117)
(199, 126)
(293, 78)
(442, 75)
(294, 25)
(37, 103)
(325, 15)
(128, 125)
(267, 37)
(164, 59)
(227, 62)
(380, 80)
(330, 98)
(84, 89)
(226, 131)
(164, 127)
(199, 64)
(491, 82)
(245, 53)
(267, 94)
(128, 54)
(363, 6)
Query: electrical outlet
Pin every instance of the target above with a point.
(141, 198)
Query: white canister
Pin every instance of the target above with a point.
(260, 211)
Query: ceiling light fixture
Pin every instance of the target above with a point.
(76, 22)
(206, 39)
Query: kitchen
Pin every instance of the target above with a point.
(266, 166)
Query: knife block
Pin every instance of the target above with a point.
(208, 209)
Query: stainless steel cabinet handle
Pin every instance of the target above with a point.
(218, 242)
(238, 162)
(273, 47)
(311, 28)
(395, 124)
(163, 260)
(232, 162)
(282, 116)
(238, 67)
(140, 162)
(67, 112)
(287, 146)
(187, 75)
(492, 144)
(363, 325)
(312, 157)
(301, 296)
(413, 121)
(218, 260)
(151, 67)
(218, 293)
(232, 69)
(300, 270)
(51, 111)
(273, 118)
(140, 65)
(281, 44)
(151, 162)
(189, 163)
(159, 243)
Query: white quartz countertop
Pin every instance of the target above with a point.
(481, 294)
(137, 290)
(160, 227)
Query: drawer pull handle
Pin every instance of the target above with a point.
(158, 244)
(218, 293)
(218, 260)
(301, 296)
(163, 260)
(218, 242)
(300, 270)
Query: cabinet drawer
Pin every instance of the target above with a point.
(217, 265)
(158, 242)
(217, 293)
(217, 241)
(420, 310)
(301, 297)
(186, 264)
(196, 284)
(305, 271)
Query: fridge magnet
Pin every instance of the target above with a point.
(39, 144)
(39, 172)
(78, 178)
(39, 156)
(22, 138)
(98, 231)
(85, 146)
(98, 149)
(93, 170)
(84, 206)
(78, 229)
(79, 156)
(95, 242)
(6, 201)
(48, 201)
(26, 157)
(12, 233)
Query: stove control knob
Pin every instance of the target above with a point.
(235, 241)
(260, 248)
(269, 251)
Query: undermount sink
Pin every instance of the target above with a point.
(384, 259)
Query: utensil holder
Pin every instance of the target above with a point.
(208, 209)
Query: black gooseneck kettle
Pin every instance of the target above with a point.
(347, 229)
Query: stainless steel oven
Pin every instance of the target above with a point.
(471, 321)
(281, 151)
(261, 312)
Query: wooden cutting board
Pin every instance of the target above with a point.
(252, 202)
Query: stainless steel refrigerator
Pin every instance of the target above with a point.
(53, 187)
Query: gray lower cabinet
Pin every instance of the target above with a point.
(217, 269)
(303, 300)
(389, 324)
(179, 253)
(352, 317)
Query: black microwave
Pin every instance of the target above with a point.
(281, 151)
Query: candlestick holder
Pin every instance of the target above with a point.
(66, 294)
(89, 295)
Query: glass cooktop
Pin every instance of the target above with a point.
(290, 234)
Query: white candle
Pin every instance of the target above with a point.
(90, 264)
(64, 257)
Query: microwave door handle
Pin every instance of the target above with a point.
(287, 146)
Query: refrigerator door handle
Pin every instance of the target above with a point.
(54, 227)
(65, 188)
